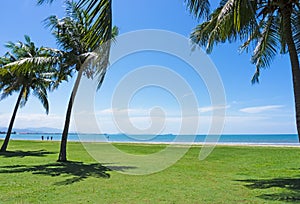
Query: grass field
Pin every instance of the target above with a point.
(29, 173)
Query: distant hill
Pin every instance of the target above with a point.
(33, 130)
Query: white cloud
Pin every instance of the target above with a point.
(25, 120)
(259, 109)
(142, 120)
(256, 124)
(120, 112)
(212, 108)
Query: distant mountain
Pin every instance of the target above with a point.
(33, 130)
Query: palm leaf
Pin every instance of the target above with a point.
(296, 29)
(25, 65)
(41, 94)
(25, 96)
(4, 95)
(101, 19)
(40, 2)
(200, 8)
(267, 45)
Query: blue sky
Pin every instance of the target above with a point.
(267, 107)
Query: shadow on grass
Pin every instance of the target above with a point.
(76, 171)
(290, 187)
(115, 167)
(20, 153)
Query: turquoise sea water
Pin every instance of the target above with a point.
(288, 139)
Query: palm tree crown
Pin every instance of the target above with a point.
(258, 24)
(98, 14)
(27, 66)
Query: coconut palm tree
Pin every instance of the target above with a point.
(83, 53)
(266, 27)
(25, 69)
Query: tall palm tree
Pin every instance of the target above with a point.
(25, 69)
(266, 27)
(85, 52)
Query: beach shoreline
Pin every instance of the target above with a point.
(234, 144)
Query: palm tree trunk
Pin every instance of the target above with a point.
(286, 14)
(12, 120)
(64, 138)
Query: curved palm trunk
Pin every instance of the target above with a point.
(286, 14)
(64, 138)
(12, 120)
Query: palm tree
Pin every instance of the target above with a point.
(25, 69)
(266, 27)
(85, 52)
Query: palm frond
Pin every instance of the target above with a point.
(4, 95)
(114, 33)
(253, 38)
(202, 33)
(199, 8)
(281, 33)
(296, 29)
(41, 94)
(25, 96)
(102, 62)
(267, 45)
(40, 2)
(233, 19)
(28, 40)
(100, 13)
(255, 78)
(25, 65)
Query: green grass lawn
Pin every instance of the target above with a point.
(29, 173)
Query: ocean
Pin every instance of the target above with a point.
(280, 139)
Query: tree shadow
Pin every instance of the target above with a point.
(118, 167)
(20, 153)
(290, 187)
(75, 171)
